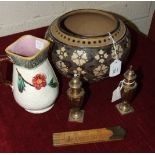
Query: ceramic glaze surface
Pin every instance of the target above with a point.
(35, 85)
(86, 42)
(34, 97)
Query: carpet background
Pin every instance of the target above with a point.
(21, 131)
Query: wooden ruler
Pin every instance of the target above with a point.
(88, 136)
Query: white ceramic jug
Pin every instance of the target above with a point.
(35, 85)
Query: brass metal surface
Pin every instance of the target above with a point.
(76, 116)
(130, 74)
(124, 108)
(127, 92)
(76, 94)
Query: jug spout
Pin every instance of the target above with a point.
(28, 51)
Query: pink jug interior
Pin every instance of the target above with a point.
(27, 46)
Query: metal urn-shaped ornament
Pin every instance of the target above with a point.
(128, 88)
(76, 96)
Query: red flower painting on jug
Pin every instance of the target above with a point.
(39, 81)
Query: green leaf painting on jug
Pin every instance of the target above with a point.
(38, 82)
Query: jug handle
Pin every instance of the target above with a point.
(4, 58)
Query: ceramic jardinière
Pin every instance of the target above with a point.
(86, 42)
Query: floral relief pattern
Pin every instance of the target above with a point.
(79, 71)
(119, 51)
(100, 70)
(61, 53)
(39, 81)
(101, 56)
(62, 66)
(79, 57)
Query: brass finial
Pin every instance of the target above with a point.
(75, 83)
(130, 74)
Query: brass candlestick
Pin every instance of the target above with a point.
(127, 92)
(76, 95)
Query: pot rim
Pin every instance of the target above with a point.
(55, 31)
(69, 32)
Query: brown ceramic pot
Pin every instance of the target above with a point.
(82, 43)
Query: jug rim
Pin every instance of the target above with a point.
(27, 57)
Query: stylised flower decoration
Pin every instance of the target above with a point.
(61, 53)
(62, 66)
(79, 71)
(101, 56)
(100, 70)
(79, 57)
(119, 51)
(39, 81)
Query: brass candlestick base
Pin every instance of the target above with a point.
(124, 108)
(76, 116)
